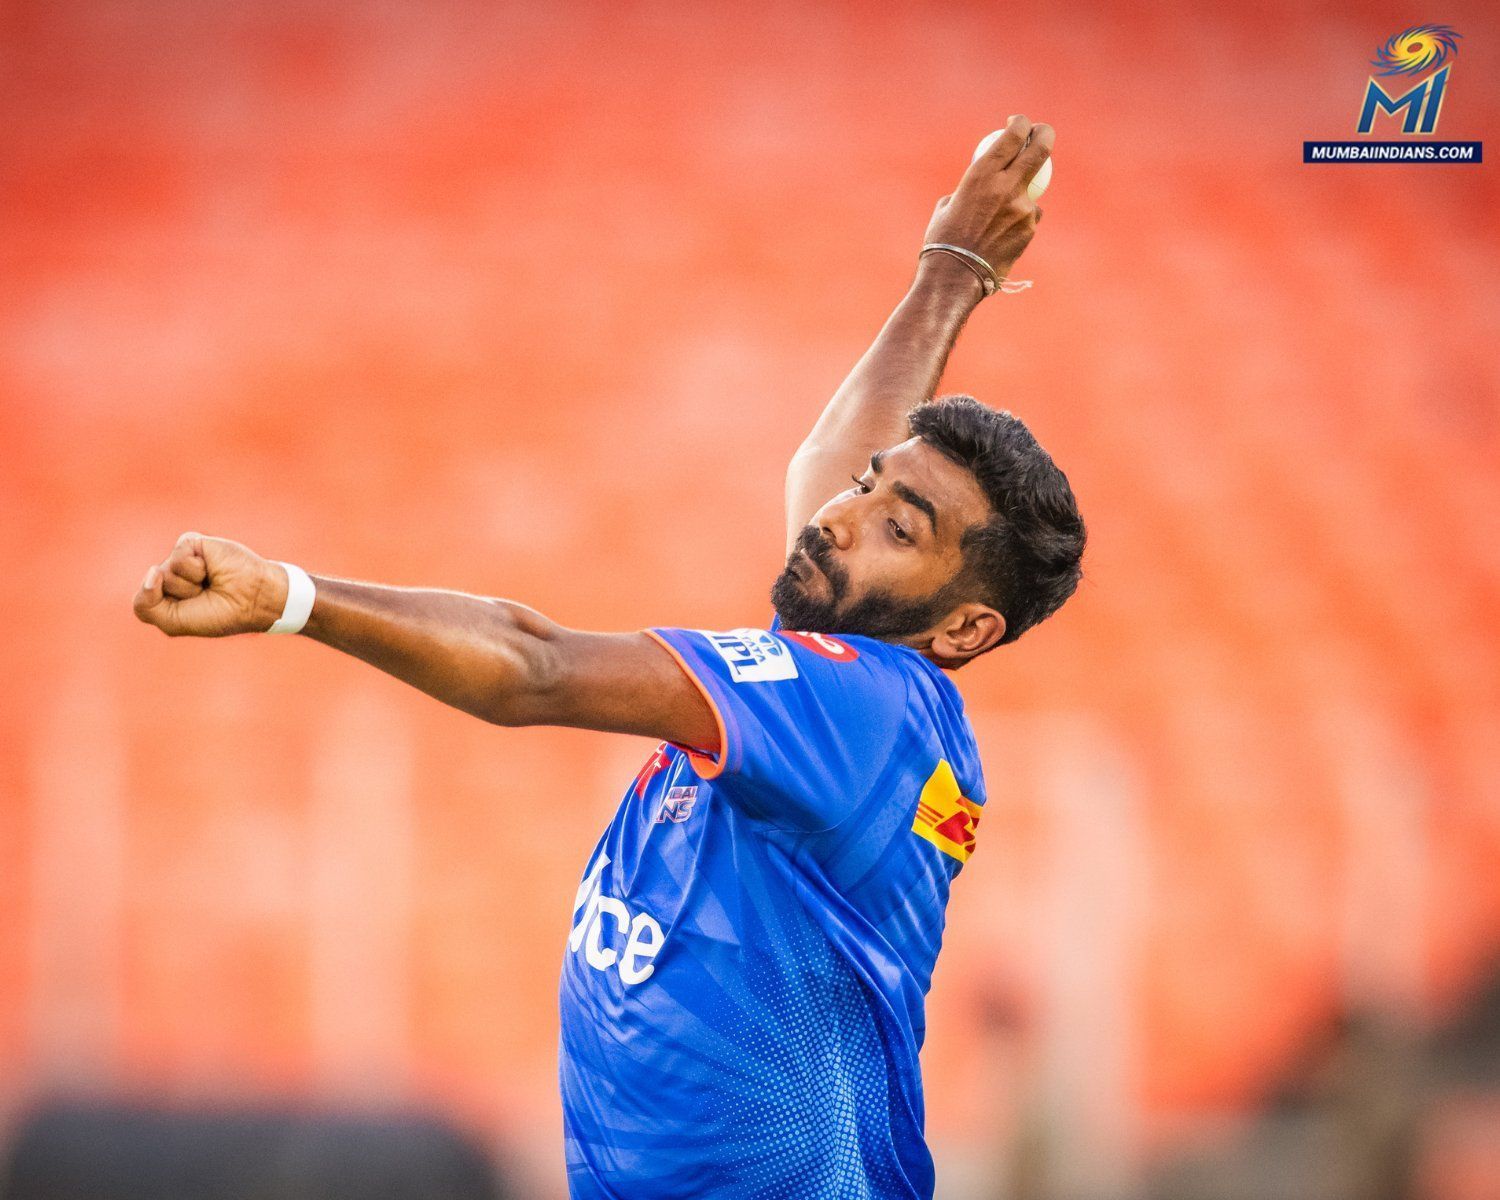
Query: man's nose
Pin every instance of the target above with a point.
(836, 522)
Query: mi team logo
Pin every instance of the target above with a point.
(945, 817)
(1404, 96)
(1418, 49)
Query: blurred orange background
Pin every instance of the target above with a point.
(536, 301)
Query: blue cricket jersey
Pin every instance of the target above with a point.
(743, 989)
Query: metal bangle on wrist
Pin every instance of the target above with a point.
(982, 270)
(988, 279)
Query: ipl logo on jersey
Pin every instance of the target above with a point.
(753, 655)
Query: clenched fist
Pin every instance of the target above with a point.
(210, 587)
(991, 212)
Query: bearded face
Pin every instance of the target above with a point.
(815, 593)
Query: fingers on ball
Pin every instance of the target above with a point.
(1029, 161)
(1009, 143)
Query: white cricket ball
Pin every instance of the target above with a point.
(1043, 177)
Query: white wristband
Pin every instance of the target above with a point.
(300, 594)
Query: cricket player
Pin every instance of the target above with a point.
(742, 996)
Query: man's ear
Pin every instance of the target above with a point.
(965, 633)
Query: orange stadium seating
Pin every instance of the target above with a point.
(536, 301)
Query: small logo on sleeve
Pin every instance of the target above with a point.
(822, 643)
(677, 804)
(945, 817)
(753, 655)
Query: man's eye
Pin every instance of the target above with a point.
(900, 533)
(860, 484)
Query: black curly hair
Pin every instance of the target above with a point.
(1025, 561)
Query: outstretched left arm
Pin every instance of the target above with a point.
(495, 659)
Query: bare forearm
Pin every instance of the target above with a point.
(500, 661)
(904, 365)
(991, 216)
(477, 654)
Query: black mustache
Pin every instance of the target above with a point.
(820, 550)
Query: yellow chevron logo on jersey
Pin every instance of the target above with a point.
(945, 817)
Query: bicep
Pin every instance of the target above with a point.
(619, 683)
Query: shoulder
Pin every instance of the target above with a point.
(934, 702)
(752, 655)
(807, 721)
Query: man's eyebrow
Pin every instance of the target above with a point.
(916, 500)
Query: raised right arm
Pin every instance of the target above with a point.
(990, 213)
(900, 370)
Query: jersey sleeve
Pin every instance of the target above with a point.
(807, 722)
